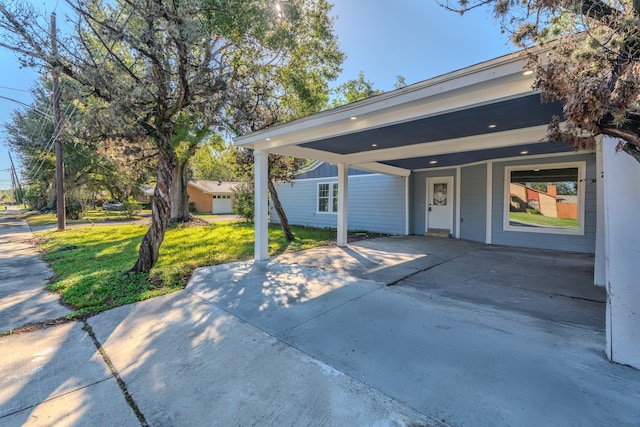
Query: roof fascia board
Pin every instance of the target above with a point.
(493, 80)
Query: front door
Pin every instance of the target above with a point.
(439, 204)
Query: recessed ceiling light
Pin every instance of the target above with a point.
(374, 145)
(492, 125)
(352, 118)
(433, 162)
(527, 72)
(524, 152)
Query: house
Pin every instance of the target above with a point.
(439, 157)
(207, 196)
(211, 196)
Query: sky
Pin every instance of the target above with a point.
(416, 39)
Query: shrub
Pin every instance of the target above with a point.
(75, 210)
(243, 201)
(192, 207)
(130, 209)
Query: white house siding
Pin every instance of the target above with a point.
(473, 202)
(418, 197)
(565, 242)
(376, 203)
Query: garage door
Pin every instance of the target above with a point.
(222, 205)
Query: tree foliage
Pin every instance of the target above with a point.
(215, 160)
(355, 90)
(142, 65)
(587, 56)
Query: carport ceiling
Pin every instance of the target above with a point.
(466, 157)
(518, 113)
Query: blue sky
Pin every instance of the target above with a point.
(416, 39)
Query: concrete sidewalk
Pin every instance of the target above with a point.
(317, 338)
(23, 277)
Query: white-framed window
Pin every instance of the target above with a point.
(327, 197)
(546, 198)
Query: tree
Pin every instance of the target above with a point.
(400, 82)
(296, 86)
(214, 161)
(188, 135)
(143, 65)
(356, 90)
(592, 64)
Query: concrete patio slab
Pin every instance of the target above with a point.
(385, 260)
(275, 295)
(55, 376)
(477, 360)
(186, 362)
(551, 285)
(468, 365)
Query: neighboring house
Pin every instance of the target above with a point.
(441, 156)
(146, 193)
(211, 196)
(207, 196)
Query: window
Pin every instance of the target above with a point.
(545, 198)
(328, 197)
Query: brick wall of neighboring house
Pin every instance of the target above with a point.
(201, 200)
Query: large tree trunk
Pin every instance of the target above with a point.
(178, 193)
(284, 222)
(160, 206)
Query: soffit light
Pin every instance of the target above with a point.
(492, 126)
(268, 139)
(353, 118)
(433, 162)
(527, 72)
(524, 152)
(374, 145)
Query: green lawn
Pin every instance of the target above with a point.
(35, 218)
(542, 221)
(89, 262)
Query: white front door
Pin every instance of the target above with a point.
(439, 204)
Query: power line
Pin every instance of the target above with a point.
(15, 89)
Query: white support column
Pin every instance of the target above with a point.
(406, 205)
(343, 188)
(621, 237)
(599, 274)
(489, 214)
(261, 174)
(458, 201)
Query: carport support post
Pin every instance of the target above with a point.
(261, 207)
(621, 237)
(343, 184)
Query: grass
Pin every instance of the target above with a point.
(34, 218)
(90, 262)
(543, 221)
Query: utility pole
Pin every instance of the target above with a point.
(19, 195)
(60, 205)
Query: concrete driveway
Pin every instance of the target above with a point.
(386, 332)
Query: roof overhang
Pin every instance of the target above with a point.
(481, 112)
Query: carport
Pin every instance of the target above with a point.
(484, 112)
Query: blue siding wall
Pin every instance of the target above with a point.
(326, 170)
(376, 203)
(576, 243)
(418, 196)
(473, 202)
